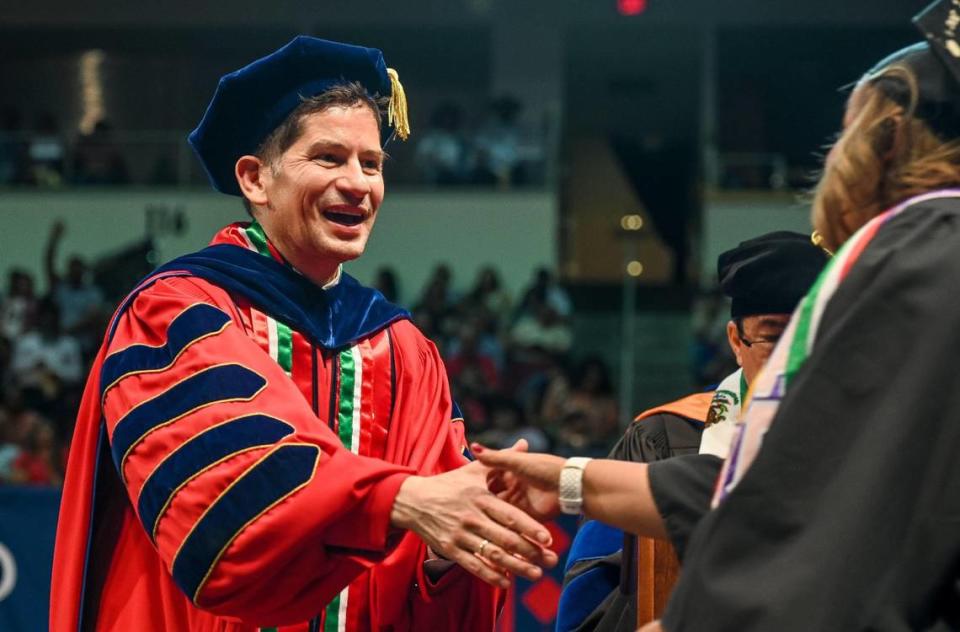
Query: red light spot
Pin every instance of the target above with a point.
(631, 7)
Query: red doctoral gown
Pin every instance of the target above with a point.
(227, 473)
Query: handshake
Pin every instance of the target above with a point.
(486, 516)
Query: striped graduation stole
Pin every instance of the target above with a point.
(279, 335)
(349, 406)
(349, 409)
(348, 416)
(769, 388)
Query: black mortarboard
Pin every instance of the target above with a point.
(770, 273)
(251, 102)
(936, 65)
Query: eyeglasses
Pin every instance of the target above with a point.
(758, 341)
(771, 340)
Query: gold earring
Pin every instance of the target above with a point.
(817, 240)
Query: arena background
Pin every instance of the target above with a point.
(615, 147)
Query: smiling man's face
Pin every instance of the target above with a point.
(323, 192)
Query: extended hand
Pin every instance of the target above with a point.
(461, 520)
(527, 481)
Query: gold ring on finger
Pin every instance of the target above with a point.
(483, 545)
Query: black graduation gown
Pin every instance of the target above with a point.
(849, 519)
(658, 437)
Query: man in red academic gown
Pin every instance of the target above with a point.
(262, 439)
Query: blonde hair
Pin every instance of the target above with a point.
(885, 155)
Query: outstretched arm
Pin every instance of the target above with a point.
(615, 492)
(459, 519)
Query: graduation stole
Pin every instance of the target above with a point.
(768, 389)
(725, 409)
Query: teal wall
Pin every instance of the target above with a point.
(415, 230)
(731, 218)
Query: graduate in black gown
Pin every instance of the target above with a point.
(764, 278)
(848, 516)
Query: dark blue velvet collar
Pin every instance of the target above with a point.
(332, 319)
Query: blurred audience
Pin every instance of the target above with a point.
(42, 363)
(46, 366)
(13, 149)
(441, 153)
(507, 368)
(469, 365)
(488, 298)
(485, 145)
(81, 303)
(46, 152)
(581, 408)
(541, 330)
(544, 289)
(436, 311)
(496, 146)
(386, 283)
(41, 461)
(19, 305)
(98, 159)
(509, 423)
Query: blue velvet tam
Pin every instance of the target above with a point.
(251, 102)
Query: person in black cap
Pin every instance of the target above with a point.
(263, 441)
(765, 278)
(838, 506)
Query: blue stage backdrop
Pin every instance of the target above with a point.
(28, 522)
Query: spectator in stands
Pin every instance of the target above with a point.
(46, 152)
(583, 407)
(12, 147)
(386, 283)
(474, 379)
(544, 288)
(470, 365)
(98, 159)
(40, 462)
(509, 424)
(47, 365)
(9, 449)
(541, 329)
(80, 302)
(441, 152)
(488, 297)
(16, 423)
(497, 145)
(17, 310)
(537, 347)
(6, 353)
(434, 313)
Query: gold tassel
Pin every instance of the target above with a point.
(397, 109)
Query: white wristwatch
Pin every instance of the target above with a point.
(571, 485)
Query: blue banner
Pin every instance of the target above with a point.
(28, 524)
